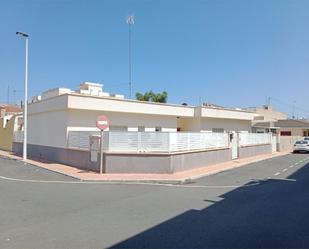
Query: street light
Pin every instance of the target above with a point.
(26, 36)
(130, 22)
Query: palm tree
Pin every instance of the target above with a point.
(153, 97)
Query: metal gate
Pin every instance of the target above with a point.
(234, 143)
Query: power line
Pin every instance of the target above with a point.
(292, 106)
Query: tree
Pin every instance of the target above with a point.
(160, 97)
(139, 96)
(148, 96)
(153, 97)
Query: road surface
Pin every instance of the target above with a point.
(262, 205)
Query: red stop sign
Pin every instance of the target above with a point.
(102, 122)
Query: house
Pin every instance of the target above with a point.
(62, 122)
(266, 114)
(10, 121)
(288, 131)
(61, 110)
(288, 127)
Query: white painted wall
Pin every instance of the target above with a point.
(55, 92)
(87, 119)
(208, 112)
(48, 129)
(47, 105)
(51, 119)
(227, 124)
(127, 106)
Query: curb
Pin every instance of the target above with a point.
(149, 181)
(37, 166)
(235, 167)
(180, 181)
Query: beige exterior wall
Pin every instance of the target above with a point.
(295, 131)
(8, 125)
(189, 124)
(207, 118)
(270, 114)
(207, 124)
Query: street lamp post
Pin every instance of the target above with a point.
(130, 22)
(26, 36)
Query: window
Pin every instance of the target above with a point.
(158, 128)
(218, 130)
(286, 133)
(118, 128)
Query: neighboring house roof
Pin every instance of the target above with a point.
(288, 123)
(11, 108)
(292, 123)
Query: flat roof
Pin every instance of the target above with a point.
(115, 104)
(288, 123)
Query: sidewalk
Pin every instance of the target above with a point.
(176, 178)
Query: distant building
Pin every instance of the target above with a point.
(288, 127)
(10, 121)
(265, 114)
(6, 109)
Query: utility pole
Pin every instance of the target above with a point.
(268, 101)
(8, 96)
(14, 96)
(130, 22)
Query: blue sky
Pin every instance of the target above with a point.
(230, 52)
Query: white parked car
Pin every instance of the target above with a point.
(306, 138)
(302, 145)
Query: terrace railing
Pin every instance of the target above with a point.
(150, 141)
(247, 139)
(115, 141)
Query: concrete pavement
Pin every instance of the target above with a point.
(176, 178)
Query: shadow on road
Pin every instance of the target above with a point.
(273, 214)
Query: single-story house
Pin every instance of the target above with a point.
(288, 127)
(61, 110)
(58, 113)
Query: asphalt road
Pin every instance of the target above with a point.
(262, 205)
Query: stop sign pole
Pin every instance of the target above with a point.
(102, 124)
